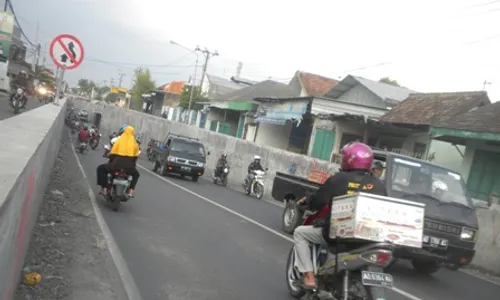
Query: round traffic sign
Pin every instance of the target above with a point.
(66, 51)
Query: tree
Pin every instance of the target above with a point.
(198, 96)
(142, 84)
(390, 81)
(86, 86)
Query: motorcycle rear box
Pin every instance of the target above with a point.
(377, 218)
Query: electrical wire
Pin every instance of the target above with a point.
(18, 24)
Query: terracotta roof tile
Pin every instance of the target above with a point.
(434, 108)
(483, 119)
(316, 85)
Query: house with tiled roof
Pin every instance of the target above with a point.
(477, 132)
(420, 113)
(306, 84)
(347, 111)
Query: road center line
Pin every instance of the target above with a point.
(268, 229)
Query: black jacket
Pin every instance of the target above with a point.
(221, 162)
(254, 166)
(117, 162)
(21, 82)
(343, 183)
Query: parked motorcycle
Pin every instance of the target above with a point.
(118, 185)
(296, 215)
(256, 187)
(222, 177)
(17, 99)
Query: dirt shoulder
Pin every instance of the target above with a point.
(67, 247)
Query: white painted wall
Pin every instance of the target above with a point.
(445, 154)
(214, 114)
(271, 135)
(250, 132)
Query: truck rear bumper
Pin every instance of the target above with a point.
(452, 256)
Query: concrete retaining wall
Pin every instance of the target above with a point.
(239, 151)
(28, 149)
(488, 244)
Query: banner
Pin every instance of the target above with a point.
(6, 29)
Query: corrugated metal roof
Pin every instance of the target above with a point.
(384, 91)
(264, 89)
(220, 81)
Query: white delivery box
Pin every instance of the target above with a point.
(377, 218)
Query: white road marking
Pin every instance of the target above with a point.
(125, 275)
(401, 292)
(492, 280)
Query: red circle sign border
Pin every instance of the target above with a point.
(74, 39)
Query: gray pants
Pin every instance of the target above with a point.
(303, 237)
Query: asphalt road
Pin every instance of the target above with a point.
(6, 110)
(184, 243)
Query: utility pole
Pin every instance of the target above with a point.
(6, 4)
(207, 54)
(112, 81)
(485, 83)
(121, 78)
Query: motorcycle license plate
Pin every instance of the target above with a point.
(120, 181)
(377, 279)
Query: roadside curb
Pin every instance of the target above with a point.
(128, 282)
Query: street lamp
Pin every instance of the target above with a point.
(194, 75)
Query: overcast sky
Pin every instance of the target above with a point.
(428, 46)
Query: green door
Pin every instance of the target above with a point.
(323, 144)
(484, 175)
(225, 128)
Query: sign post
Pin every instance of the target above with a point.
(67, 53)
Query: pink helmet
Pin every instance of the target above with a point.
(356, 155)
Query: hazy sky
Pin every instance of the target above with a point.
(426, 45)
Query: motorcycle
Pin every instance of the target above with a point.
(256, 187)
(94, 141)
(222, 178)
(296, 215)
(82, 147)
(118, 185)
(355, 268)
(17, 99)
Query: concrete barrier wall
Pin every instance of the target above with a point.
(488, 244)
(239, 151)
(28, 149)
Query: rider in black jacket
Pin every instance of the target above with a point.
(21, 81)
(355, 176)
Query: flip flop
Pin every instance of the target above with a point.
(308, 287)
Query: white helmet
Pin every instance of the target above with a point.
(256, 157)
(439, 185)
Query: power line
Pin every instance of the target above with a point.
(207, 54)
(7, 2)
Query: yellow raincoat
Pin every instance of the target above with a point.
(126, 145)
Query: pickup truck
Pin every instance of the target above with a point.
(450, 225)
(290, 188)
(179, 154)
